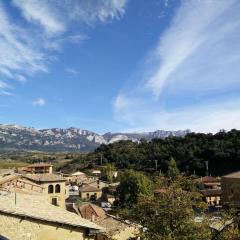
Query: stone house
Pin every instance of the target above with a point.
(115, 228)
(90, 193)
(212, 196)
(25, 217)
(209, 182)
(95, 183)
(37, 168)
(54, 187)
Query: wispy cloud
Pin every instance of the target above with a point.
(32, 39)
(40, 12)
(40, 102)
(72, 71)
(190, 73)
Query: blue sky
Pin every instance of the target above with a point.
(120, 65)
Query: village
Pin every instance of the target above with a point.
(38, 203)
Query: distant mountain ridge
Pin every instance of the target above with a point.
(16, 137)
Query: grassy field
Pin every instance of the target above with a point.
(20, 159)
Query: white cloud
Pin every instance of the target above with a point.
(31, 39)
(39, 102)
(40, 12)
(194, 73)
(197, 27)
(72, 71)
(3, 85)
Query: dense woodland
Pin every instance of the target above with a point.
(221, 150)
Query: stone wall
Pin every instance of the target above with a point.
(20, 228)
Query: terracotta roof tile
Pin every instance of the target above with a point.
(89, 188)
(46, 177)
(37, 207)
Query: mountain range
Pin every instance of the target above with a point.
(16, 137)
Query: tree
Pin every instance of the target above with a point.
(108, 172)
(170, 216)
(172, 171)
(132, 185)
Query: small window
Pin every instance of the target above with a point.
(50, 189)
(57, 188)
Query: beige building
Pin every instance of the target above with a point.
(90, 193)
(54, 187)
(95, 183)
(212, 196)
(231, 189)
(37, 168)
(30, 217)
(115, 228)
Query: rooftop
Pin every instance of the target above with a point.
(211, 192)
(78, 174)
(110, 223)
(232, 175)
(36, 207)
(88, 188)
(8, 178)
(208, 179)
(46, 177)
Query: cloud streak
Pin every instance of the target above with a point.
(191, 74)
(29, 42)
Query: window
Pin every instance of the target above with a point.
(50, 189)
(57, 188)
(54, 201)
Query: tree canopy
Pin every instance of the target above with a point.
(190, 153)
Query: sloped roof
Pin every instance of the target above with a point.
(78, 174)
(86, 209)
(112, 224)
(208, 179)
(232, 175)
(211, 192)
(8, 178)
(46, 177)
(36, 207)
(89, 188)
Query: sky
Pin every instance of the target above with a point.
(120, 65)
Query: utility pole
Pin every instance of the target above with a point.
(156, 164)
(207, 171)
(101, 159)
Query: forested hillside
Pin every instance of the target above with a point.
(221, 150)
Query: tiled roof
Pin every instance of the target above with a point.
(78, 174)
(36, 207)
(46, 177)
(108, 222)
(88, 188)
(208, 179)
(86, 210)
(233, 175)
(8, 178)
(211, 192)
